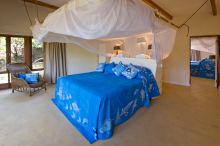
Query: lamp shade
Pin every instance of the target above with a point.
(117, 48)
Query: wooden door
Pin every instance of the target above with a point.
(217, 70)
(4, 60)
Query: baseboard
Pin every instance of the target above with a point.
(176, 83)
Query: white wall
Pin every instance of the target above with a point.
(205, 54)
(80, 60)
(176, 66)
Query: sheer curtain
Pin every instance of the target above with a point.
(90, 23)
(55, 61)
(97, 24)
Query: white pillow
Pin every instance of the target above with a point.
(142, 56)
(120, 55)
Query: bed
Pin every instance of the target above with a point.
(97, 102)
(203, 69)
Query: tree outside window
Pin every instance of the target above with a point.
(17, 50)
(37, 55)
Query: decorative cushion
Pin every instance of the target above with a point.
(22, 76)
(38, 84)
(108, 68)
(118, 69)
(100, 67)
(130, 72)
(32, 78)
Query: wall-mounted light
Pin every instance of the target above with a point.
(149, 47)
(117, 48)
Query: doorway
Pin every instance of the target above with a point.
(204, 59)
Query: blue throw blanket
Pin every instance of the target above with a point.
(96, 102)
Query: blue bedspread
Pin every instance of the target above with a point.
(96, 102)
(203, 69)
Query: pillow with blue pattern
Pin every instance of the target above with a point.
(32, 78)
(20, 75)
(118, 69)
(130, 72)
(108, 68)
(100, 67)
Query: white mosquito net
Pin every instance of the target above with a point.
(99, 25)
(204, 44)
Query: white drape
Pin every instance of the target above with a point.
(88, 22)
(204, 44)
(96, 19)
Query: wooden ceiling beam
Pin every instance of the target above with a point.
(148, 2)
(167, 21)
(214, 8)
(157, 7)
(43, 4)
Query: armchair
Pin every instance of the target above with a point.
(20, 84)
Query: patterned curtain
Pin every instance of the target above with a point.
(55, 61)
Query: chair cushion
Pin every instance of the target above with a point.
(21, 75)
(37, 85)
(32, 78)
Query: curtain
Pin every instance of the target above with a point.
(204, 44)
(195, 55)
(55, 61)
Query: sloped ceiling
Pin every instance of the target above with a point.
(55, 2)
(186, 7)
(174, 7)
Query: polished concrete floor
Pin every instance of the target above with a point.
(182, 116)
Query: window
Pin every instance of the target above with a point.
(17, 50)
(37, 55)
(2, 54)
(3, 61)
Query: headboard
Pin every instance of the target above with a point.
(148, 63)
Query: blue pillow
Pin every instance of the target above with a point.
(130, 72)
(22, 76)
(32, 78)
(100, 67)
(119, 69)
(108, 68)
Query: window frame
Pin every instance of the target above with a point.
(38, 69)
(3, 72)
(27, 55)
(27, 49)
